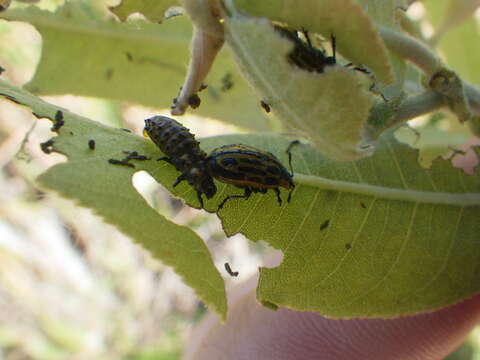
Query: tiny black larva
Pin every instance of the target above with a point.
(246, 167)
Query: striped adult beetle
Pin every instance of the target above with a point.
(252, 169)
(246, 167)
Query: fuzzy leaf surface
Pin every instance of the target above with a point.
(107, 189)
(138, 63)
(330, 108)
(460, 42)
(356, 36)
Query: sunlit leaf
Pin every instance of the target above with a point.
(330, 108)
(152, 9)
(88, 178)
(139, 63)
(356, 36)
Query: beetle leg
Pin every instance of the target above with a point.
(199, 196)
(289, 152)
(245, 196)
(179, 180)
(334, 47)
(278, 196)
(289, 195)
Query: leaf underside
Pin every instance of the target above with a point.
(88, 178)
(346, 253)
(329, 108)
(356, 36)
(375, 257)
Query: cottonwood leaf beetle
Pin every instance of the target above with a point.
(251, 169)
(246, 167)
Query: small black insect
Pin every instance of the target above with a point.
(324, 225)
(133, 155)
(194, 101)
(2, 69)
(304, 54)
(121, 162)
(183, 152)
(348, 246)
(229, 270)
(59, 122)
(227, 82)
(47, 146)
(91, 144)
(265, 106)
(251, 169)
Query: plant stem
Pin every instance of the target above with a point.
(411, 49)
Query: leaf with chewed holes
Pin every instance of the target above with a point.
(137, 62)
(152, 9)
(378, 237)
(330, 108)
(356, 36)
(107, 189)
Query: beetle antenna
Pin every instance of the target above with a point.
(307, 37)
(288, 151)
(334, 47)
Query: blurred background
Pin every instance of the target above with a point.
(73, 287)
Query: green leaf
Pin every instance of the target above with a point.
(384, 12)
(356, 36)
(88, 178)
(458, 43)
(154, 10)
(330, 108)
(460, 46)
(137, 62)
(453, 12)
(399, 239)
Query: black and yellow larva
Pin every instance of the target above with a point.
(246, 167)
(183, 152)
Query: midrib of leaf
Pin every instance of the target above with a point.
(409, 195)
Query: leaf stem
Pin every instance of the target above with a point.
(409, 195)
(411, 49)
